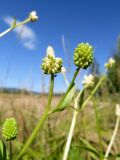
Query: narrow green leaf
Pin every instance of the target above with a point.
(90, 148)
(92, 152)
(81, 100)
(65, 102)
(14, 23)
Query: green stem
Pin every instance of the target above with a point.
(98, 127)
(10, 150)
(41, 121)
(70, 86)
(71, 131)
(23, 22)
(92, 93)
(50, 92)
(83, 125)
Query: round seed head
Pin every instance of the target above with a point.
(83, 55)
(9, 130)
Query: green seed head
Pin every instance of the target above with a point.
(83, 55)
(9, 130)
(51, 64)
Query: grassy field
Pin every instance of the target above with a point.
(50, 141)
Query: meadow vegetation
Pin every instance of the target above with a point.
(77, 125)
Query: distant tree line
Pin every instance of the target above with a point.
(114, 73)
(112, 83)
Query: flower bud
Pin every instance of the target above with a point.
(9, 130)
(83, 55)
(63, 70)
(51, 64)
(33, 16)
(50, 51)
(88, 80)
(110, 63)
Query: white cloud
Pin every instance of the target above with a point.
(25, 34)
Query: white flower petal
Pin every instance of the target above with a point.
(50, 51)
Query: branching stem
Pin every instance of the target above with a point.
(13, 26)
(41, 121)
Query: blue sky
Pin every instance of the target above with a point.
(72, 21)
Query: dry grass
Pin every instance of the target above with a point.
(27, 109)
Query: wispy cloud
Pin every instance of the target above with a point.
(25, 34)
(63, 43)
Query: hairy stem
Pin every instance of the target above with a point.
(71, 131)
(41, 121)
(13, 26)
(112, 139)
(6, 31)
(70, 135)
